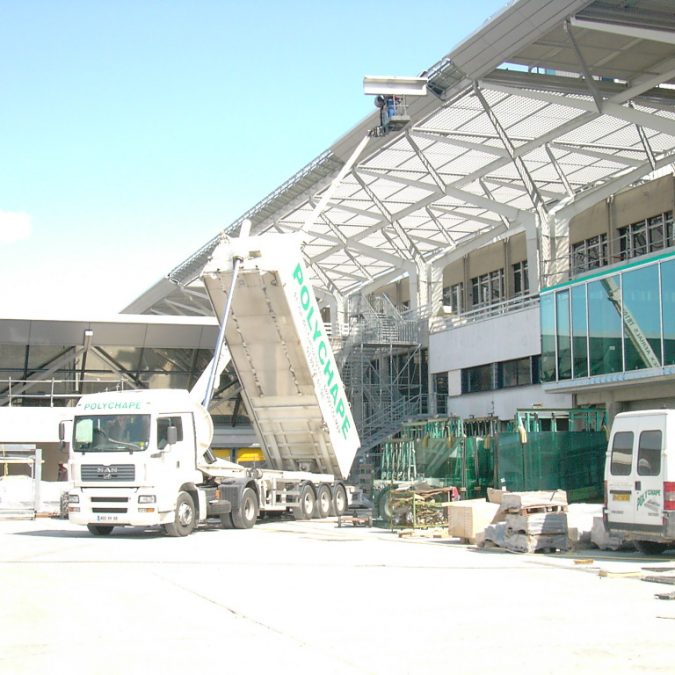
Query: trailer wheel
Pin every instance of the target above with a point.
(184, 521)
(651, 547)
(324, 501)
(305, 508)
(100, 530)
(340, 499)
(245, 516)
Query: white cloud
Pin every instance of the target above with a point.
(14, 226)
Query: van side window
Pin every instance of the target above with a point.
(622, 453)
(649, 453)
(163, 423)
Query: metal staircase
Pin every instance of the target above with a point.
(383, 368)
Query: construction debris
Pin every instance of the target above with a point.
(420, 507)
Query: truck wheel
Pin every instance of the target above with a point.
(324, 501)
(245, 516)
(184, 521)
(305, 508)
(651, 547)
(100, 530)
(340, 499)
(226, 521)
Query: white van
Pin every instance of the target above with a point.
(640, 479)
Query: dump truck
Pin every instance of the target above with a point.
(144, 458)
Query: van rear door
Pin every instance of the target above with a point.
(620, 497)
(635, 473)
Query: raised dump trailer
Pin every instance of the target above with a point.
(282, 355)
(163, 472)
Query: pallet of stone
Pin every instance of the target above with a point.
(547, 523)
(541, 501)
(520, 542)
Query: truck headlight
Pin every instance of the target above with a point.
(73, 499)
(146, 499)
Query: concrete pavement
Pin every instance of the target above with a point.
(292, 596)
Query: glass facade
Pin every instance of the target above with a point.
(618, 322)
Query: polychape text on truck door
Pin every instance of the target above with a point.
(640, 479)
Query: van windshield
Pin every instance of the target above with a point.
(111, 433)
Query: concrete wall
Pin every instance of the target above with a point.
(504, 402)
(510, 336)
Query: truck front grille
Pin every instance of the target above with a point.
(104, 472)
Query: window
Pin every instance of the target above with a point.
(641, 318)
(441, 391)
(163, 424)
(516, 373)
(604, 325)
(622, 453)
(548, 338)
(453, 296)
(649, 453)
(487, 289)
(521, 282)
(513, 373)
(589, 254)
(646, 236)
(479, 378)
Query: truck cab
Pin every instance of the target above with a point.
(134, 455)
(640, 479)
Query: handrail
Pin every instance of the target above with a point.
(441, 323)
(8, 386)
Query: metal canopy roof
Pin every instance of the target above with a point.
(549, 108)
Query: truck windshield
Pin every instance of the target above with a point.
(111, 433)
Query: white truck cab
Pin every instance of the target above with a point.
(640, 479)
(134, 460)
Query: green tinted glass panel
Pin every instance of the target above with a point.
(604, 325)
(547, 364)
(668, 303)
(579, 332)
(563, 335)
(642, 318)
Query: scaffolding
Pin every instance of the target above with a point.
(384, 369)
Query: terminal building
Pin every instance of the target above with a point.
(500, 243)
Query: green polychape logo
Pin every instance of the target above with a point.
(319, 340)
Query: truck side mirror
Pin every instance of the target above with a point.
(62, 431)
(171, 435)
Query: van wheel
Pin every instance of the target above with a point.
(245, 516)
(100, 530)
(184, 521)
(651, 547)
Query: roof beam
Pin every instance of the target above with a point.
(448, 138)
(590, 83)
(640, 32)
(588, 198)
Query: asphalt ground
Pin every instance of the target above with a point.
(297, 597)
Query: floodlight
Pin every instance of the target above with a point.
(395, 86)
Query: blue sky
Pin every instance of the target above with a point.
(133, 131)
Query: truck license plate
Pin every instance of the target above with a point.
(621, 497)
(106, 519)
